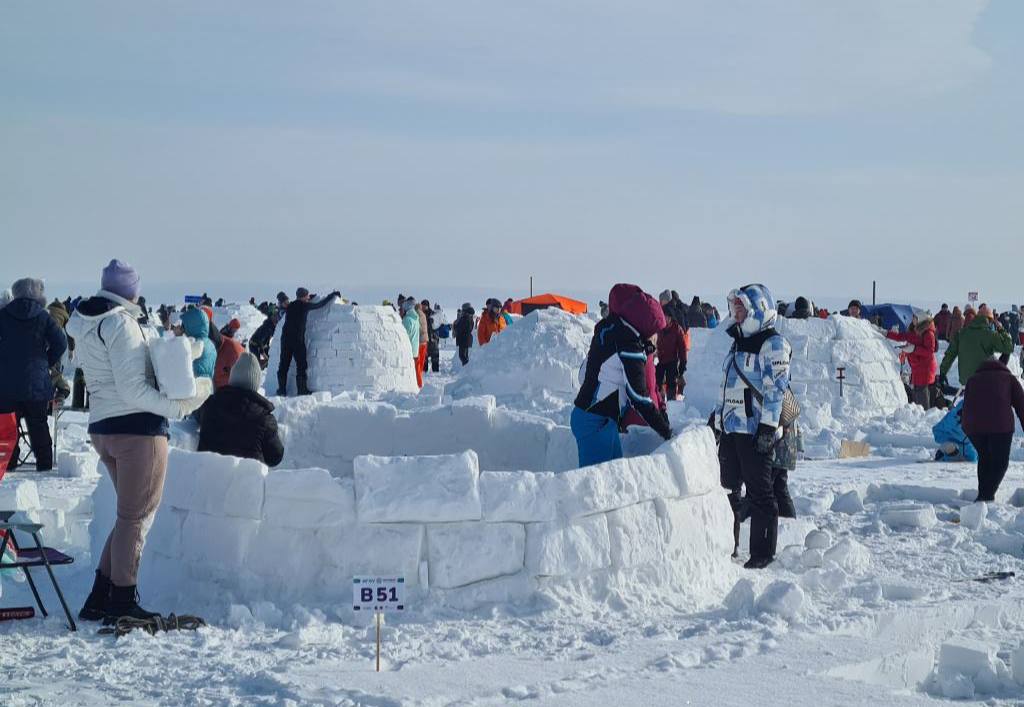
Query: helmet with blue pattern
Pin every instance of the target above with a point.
(760, 305)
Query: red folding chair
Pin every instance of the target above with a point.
(8, 440)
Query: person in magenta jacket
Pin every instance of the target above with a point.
(992, 396)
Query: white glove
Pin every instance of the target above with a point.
(197, 348)
(894, 329)
(909, 348)
(204, 389)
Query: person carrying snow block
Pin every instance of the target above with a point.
(978, 341)
(237, 421)
(128, 428)
(991, 397)
(614, 377)
(293, 339)
(954, 444)
(756, 416)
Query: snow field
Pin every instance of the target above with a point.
(351, 349)
(230, 531)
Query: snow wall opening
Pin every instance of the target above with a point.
(647, 529)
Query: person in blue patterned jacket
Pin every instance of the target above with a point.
(756, 377)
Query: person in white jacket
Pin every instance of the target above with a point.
(128, 428)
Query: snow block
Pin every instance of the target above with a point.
(502, 591)
(371, 549)
(782, 598)
(696, 526)
(440, 488)
(165, 535)
(818, 540)
(217, 542)
(636, 536)
(972, 516)
(693, 457)
(308, 498)
(615, 484)
(463, 553)
(848, 555)
(966, 657)
(848, 502)
(909, 516)
(214, 484)
(554, 549)
(519, 496)
(348, 429)
(17, 494)
(73, 465)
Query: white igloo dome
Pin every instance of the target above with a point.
(351, 349)
(872, 387)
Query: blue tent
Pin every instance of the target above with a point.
(899, 315)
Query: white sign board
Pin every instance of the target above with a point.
(378, 594)
(972, 296)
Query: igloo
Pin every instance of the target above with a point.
(532, 365)
(351, 349)
(872, 387)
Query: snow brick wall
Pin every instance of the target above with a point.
(647, 529)
(351, 349)
(532, 365)
(872, 388)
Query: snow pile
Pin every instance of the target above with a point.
(247, 315)
(655, 528)
(532, 365)
(351, 348)
(331, 434)
(872, 388)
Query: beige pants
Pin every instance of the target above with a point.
(137, 465)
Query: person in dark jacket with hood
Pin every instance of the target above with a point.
(463, 330)
(259, 342)
(293, 340)
(801, 309)
(237, 420)
(991, 398)
(695, 316)
(31, 344)
(614, 378)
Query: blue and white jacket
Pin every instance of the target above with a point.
(764, 359)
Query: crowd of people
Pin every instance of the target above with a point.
(637, 362)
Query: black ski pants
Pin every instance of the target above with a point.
(993, 461)
(464, 354)
(290, 350)
(667, 375)
(34, 413)
(742, 466)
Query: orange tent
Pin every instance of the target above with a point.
(525, 306)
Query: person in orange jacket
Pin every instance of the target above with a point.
(491, 322)
(229, 349)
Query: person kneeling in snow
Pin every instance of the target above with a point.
(755, 445)
(237, 420)
(991, 397)
(614, 378)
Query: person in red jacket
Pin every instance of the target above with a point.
(229, 349)
(991, 397)
(920, 350)
(671, 358)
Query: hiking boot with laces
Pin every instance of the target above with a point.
(95, 608)
(124, 601)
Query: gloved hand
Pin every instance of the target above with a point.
(909, 348)
(894, 329)
(764, 441)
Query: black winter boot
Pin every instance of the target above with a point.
(95, 608)
(124, 601)
(764, 534)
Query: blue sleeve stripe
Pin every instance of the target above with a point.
(637, 398)
(633, 355)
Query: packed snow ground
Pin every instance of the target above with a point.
(871, 601)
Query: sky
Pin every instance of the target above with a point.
(813, 145)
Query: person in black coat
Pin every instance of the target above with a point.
(463, 330)
(293, 340)
(237, 420)
(31, 344)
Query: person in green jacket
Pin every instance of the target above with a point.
(976, 343)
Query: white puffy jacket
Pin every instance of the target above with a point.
(112, 350)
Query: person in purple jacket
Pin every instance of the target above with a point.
(992, 396)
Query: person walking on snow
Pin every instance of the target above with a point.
(956, 323)
(976, 343)
(128, 428)
(991, 398)
(756, 379)
(921, 347)
(463, 331)
(293, 339)
(491, 322)
(31, 344)
(614, 377)
(411, 322)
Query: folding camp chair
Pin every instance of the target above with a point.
(25, 454)
(38, 556)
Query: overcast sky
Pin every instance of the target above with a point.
(813, 145)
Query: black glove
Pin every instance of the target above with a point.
(764, 441)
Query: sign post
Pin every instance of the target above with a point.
(378, 594)
(972, 297)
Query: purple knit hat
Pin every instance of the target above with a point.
(121, 279)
